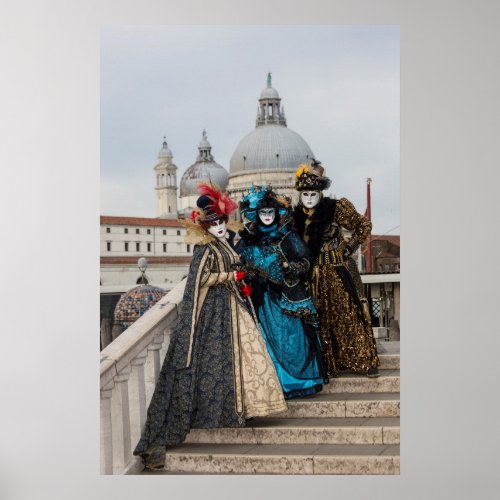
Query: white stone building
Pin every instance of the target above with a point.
(125, 239)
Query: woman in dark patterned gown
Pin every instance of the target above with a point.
(217, 371)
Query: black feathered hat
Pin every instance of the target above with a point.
(311, 177)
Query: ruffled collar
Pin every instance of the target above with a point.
(274, 232)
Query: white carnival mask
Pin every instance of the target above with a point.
(310, 198)
(218, 228)
(267, 215)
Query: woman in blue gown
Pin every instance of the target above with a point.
(277, 261)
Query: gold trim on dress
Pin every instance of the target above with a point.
(196, 297)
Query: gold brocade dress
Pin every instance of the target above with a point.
(343, 313)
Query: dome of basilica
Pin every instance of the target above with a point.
(271, 145)
(204, 169)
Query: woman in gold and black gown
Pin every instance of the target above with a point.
(343, 313)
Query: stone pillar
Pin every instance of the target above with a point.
(137, 391)
(166, 343)
(153, 366)
(155, 347)
(120, 418)
(106, 430)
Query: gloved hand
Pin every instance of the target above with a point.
(344, 250)
(239, 275)
(296, 268)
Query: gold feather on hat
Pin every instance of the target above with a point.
(303, 168)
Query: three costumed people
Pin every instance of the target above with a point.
(269, 318)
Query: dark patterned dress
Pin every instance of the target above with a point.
(217, 371)
(343, 314)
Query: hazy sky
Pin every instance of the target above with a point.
(339, 86)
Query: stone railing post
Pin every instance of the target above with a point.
(155, 347)
(137, 393)
(120, 422)
(106, 430)
(166, 342)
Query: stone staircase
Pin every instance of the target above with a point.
(351, 427)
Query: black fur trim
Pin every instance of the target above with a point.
(323, 215)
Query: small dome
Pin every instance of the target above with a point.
(135, 303)
(165, 151)
(269, 93)
(203, 171)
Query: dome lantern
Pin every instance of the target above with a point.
(165, 153)
(269, 106)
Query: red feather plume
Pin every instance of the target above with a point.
(223, 204)
(209, 189)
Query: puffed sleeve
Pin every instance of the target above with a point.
(347, 216)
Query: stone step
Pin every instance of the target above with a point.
(349, 382)
(362, 405)
(304, 431)
(389, 361)
(281, 459)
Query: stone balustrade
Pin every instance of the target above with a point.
(129, 368)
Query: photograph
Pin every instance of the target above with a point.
(221, 188)
(250, 250)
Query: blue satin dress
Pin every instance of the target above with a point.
(286, 312)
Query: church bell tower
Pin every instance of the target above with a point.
(166, 184)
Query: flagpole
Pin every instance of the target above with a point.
(369, 264)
